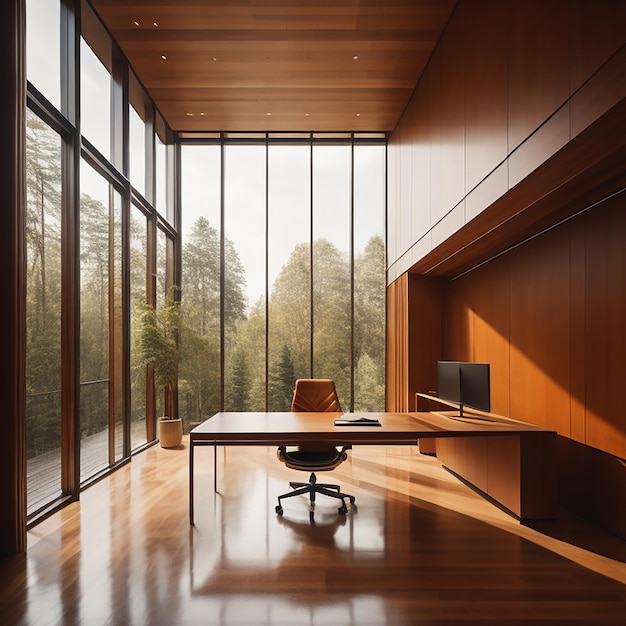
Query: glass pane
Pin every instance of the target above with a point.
(43, 312)
(43, 47)
(137, 151)
(160, 157)
(94, 322)
(117, 335)
(244, 286)
(199, 375)
(95, 100)
(331, 266)
(369, 278)
(289, 236)
(164, 279)
(138, 299)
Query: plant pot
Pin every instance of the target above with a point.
(170, 432)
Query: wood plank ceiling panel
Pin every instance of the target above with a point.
(278, 65)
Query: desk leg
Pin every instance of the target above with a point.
(214, 466)
(191, 447)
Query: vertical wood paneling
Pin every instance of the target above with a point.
(538, 64)
(432, 84)
(457, 334)
(485, 65)
(424, 335)
(577, 330)
(605, 327)
(452, 98)
(598, 30)
(540, 332)
(491, 329)
(420, 180)
(397, 345)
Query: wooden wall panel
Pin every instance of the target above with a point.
(457, 322)
(452, 99)
(420, 181)
(605, 326)
(538, 64)
(485, 91)
(540, 332)
(491, 329)
(433, 85)
(397, 345)
(597, 31)
(578, 359)
(497, 92)
(424, 335)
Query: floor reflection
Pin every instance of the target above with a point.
(419, 544)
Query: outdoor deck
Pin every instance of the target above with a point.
(44, 471)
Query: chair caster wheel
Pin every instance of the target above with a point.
(343, 509)
(279, 510)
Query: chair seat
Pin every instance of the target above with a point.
(312, 460)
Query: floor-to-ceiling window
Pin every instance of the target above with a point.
(289, 270)
(99, 249)
(369, 276)
(43, 321)
(332, 248)
(244, 276)
(278, 238)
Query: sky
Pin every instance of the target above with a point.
(289, 199)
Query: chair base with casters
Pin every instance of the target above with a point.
(319, 461)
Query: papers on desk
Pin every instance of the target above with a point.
(356, 421)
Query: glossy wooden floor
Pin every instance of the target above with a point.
(421, 548)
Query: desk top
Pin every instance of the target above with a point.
(287, 428)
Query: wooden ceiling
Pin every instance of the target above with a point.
(278, 65)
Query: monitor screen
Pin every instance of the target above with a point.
(468, 384)
(475, 386)
(449, 380)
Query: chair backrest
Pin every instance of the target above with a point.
(315, 395)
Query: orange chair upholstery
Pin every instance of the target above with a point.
(314, 395)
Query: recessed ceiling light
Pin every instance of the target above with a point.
(189, 114)
(154, 24)
(358, 115)
(201, 112)
(136, 23)
(163, 57)
(307, 114)
(213, 58)
(355, 57)
(268, 114)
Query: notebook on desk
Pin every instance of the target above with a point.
(356, 421)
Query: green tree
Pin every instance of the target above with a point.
(239, 382)
(282, 382)
(369, 326)
(43, 233)
(201, 318)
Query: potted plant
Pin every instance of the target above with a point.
(159, 351)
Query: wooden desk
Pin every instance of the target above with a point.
(258, 428)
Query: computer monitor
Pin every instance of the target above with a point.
(467, 384)
(449, 380)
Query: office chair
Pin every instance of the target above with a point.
(314, 395)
